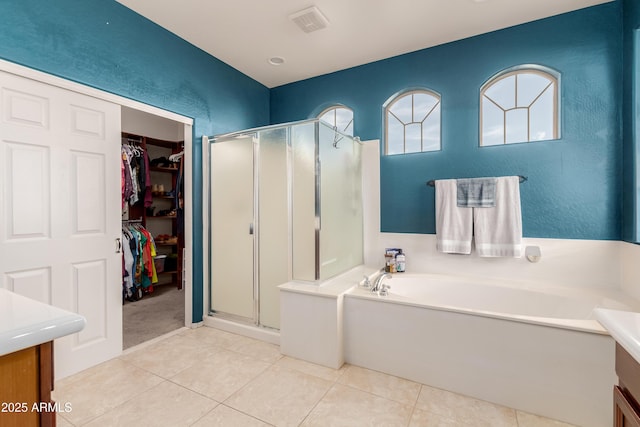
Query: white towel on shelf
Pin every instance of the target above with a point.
(454, 225)
(498, 230)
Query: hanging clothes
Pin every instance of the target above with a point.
(135, 174)
(138, 255)
(179, 192)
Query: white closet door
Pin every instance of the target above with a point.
(60, 211)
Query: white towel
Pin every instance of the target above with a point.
(498, 230)
(454, 225)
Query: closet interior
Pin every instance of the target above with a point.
(152, 173)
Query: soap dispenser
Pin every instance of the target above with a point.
(400, 262)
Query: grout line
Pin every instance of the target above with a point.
(212, 409)
(244, 413)
(317, 403)
(415, 404)
(58, 414)
(194, 391)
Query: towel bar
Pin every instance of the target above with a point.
(432, 183)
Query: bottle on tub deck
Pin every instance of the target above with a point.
(391, 262)
(387, 262)
(392, 265)
(400, 262)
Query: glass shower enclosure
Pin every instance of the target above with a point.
(285, 204)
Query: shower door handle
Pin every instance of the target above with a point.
(251, 228)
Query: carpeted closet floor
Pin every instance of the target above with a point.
(154, 315)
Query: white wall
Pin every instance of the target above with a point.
(145, 124)
(575, 263)
(629, 267)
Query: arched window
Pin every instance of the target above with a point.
(412, 122)
(520, 105)
(340, 117)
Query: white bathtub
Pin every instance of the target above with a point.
(531, 347)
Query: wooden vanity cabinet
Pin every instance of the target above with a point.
(26, 381)
(626, 394)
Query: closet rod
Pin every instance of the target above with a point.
(132, 220)
(432, 183)
(137, 141)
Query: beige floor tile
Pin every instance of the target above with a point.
(383, 385)
(319, 371)
(346, 406)
(213, 336)
(465, 410)
(166, 404)
(223, 416)
(422, 418)
(280, 396)
(220, 374)
(93, 392)
(530, 420)
(264, 351)
(62, 422)
(170, 356)
(251, 347)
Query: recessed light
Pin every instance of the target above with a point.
(276, 60)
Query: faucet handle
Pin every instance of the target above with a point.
(366, 283)
(384, 290)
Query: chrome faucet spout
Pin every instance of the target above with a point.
(378, 282)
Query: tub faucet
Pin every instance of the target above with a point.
(377, 284)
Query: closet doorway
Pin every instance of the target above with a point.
(60, 202)
(152, 226)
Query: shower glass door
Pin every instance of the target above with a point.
(232, 239)
(250, 233)
(285, 204)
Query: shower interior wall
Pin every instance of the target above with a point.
(285, 204)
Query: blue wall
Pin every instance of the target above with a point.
(574, 187)
(575, 183)
(631, 120)
(102, 44)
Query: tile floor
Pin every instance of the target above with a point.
(207, 377)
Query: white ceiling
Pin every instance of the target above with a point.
(246, 33)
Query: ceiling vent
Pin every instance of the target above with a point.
(310, 19)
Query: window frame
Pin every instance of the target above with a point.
(335, 107)
(395, 98)
(541, 70)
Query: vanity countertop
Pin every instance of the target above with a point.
(624, 327)
(25, 322)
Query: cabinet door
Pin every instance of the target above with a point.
(60, 211)
(232, 227)
(20, 388)
(624, 413)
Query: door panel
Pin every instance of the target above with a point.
(88, 282)
(60, 211)
(25, 109)
(232, 216)
(34, 284)
(88, 193)
(27, 169)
